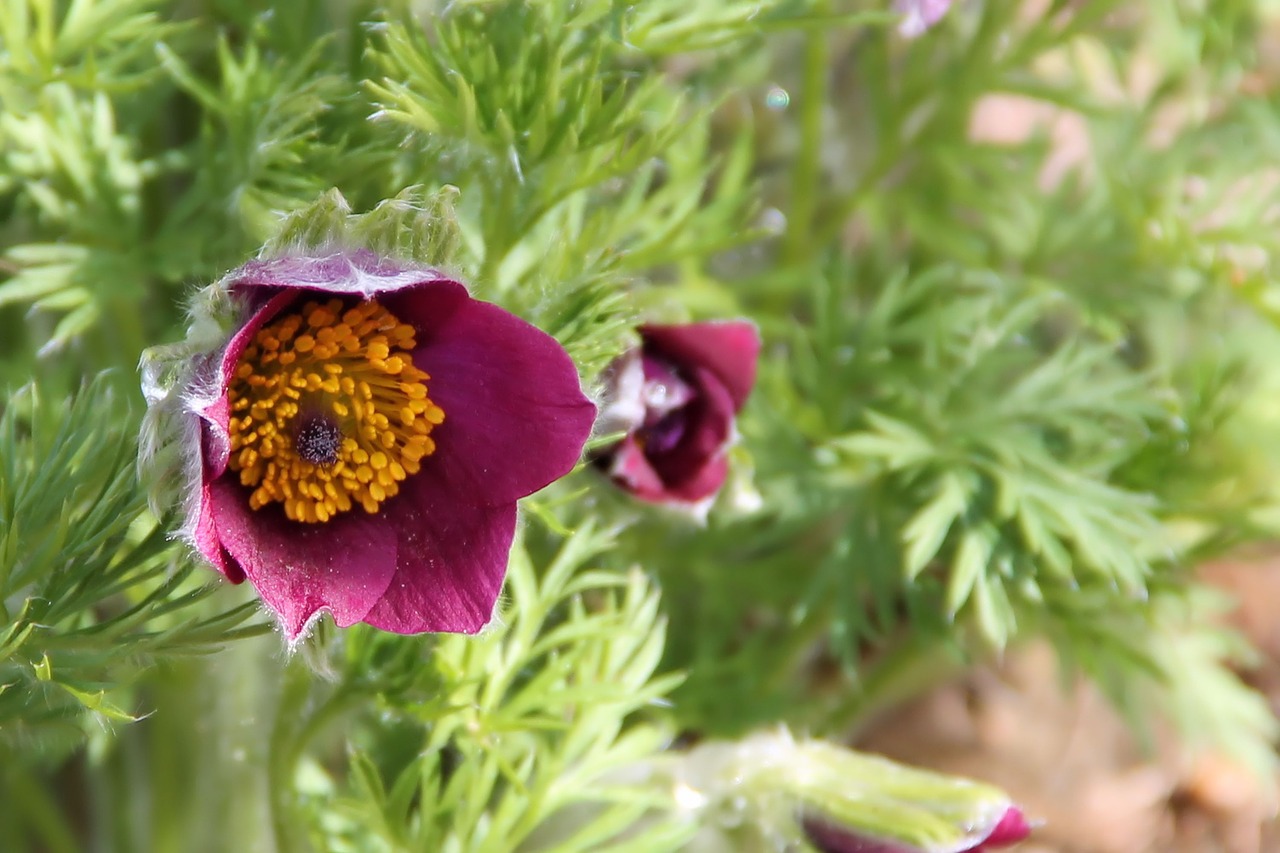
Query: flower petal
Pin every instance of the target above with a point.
(452, 558)
(631, 468)
(624, 409)
(211, 403)
(515, 415)
(205, 537)
(919, 15)
(343, 566)
(694, 469)
(728, 349)
(703, 485)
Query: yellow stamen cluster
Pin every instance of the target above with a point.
(328, 410)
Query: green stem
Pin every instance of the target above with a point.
(904, 673)
(33, 807)
(797, 646)
(807, 176)
(867, 184)
(286, 745)
(292, 731)
(497, 230)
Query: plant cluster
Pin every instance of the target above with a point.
(1010, 386)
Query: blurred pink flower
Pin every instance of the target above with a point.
(919, 15)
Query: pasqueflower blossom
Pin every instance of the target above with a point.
(675, 398)
(357, 440)
(1011, 828)
(920, 15)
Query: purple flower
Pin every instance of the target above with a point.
(363, 437)
(676, 398)
(919, 15)
(828, 838)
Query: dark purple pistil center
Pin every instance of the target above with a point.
(665, 434)
(318, 440)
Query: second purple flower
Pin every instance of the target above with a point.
(676, 398)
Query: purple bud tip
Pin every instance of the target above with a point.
(826, 837)
(1011, 829)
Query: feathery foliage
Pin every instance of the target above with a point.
(1017, 384)
(92, 593)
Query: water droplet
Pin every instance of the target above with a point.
(777, 98)
(773, 220)
(657, 394)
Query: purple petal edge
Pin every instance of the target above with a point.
(515, 414)
(450, 565)
(343, 566)
(729, 349)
